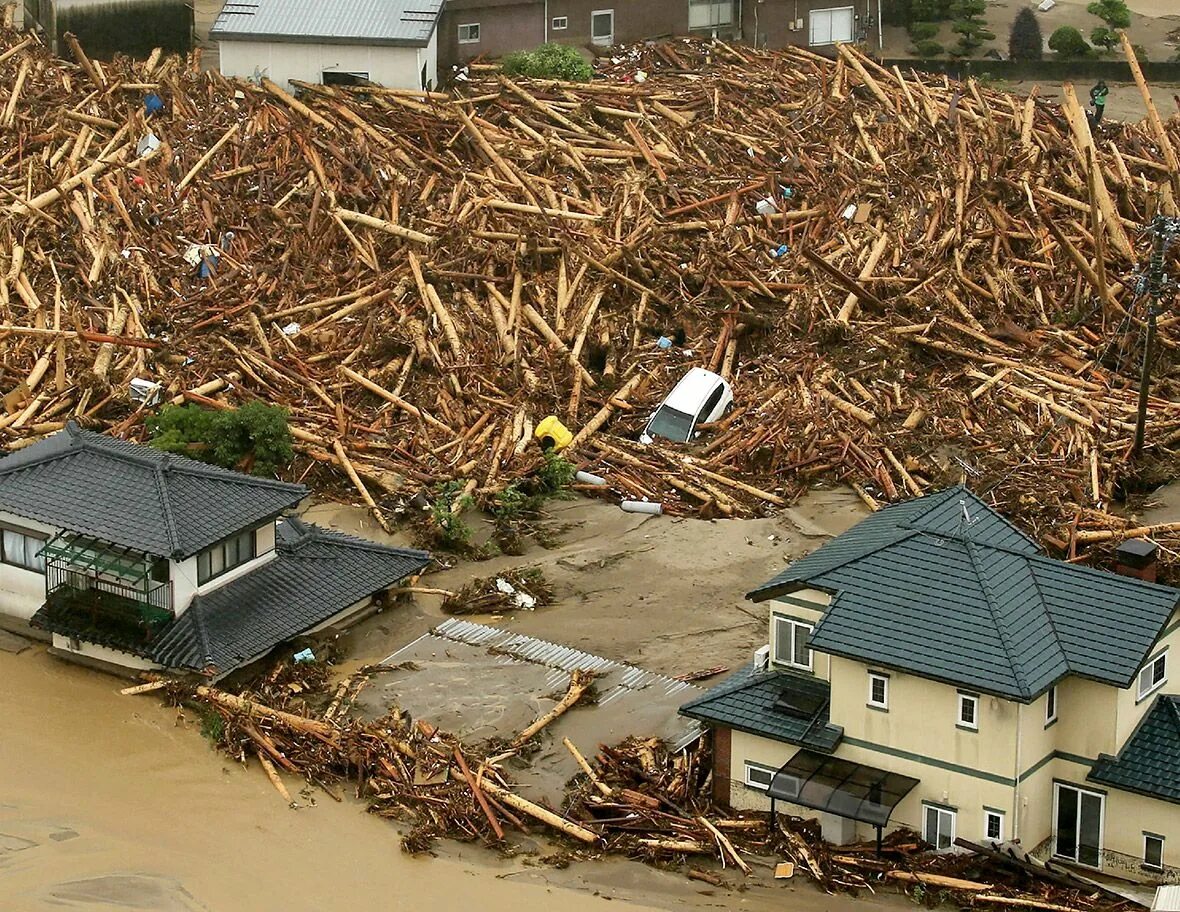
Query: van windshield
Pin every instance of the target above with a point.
(671, 424)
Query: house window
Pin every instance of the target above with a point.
(341, 78)
(1079, 815)
(993, 825)
(758, 776)
(831, 26)
(225, 555)
(709, 14)
(602, 27)
(1153, 851)
(938, 826)
(878, 690)
(559, 23)
(469, 33)
(1051, 706)
(790, 643)
(968, 711)
(22, 549)
(1152, 676)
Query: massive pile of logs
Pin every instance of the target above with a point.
(422, 277)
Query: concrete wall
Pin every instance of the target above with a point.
(184, 573)
(770, 24)
(108, 658)
(502, 29)
(283, 61)
(22, 591)
(1130, 708)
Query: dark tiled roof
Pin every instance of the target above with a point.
(971, 601)
(1149, 762)
(746, 701)
(136, 496)
(315, 574)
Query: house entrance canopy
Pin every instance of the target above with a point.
(852, 790)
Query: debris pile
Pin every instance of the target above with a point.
(637, 799)
(907, 280)
(517, 589)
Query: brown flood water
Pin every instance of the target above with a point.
(110, 802)
(106, 803)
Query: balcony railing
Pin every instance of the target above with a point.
(108, 613)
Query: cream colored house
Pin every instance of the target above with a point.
(931, 669)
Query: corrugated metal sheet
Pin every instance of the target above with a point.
(615, 680)
(1167, 899)
(404, 22)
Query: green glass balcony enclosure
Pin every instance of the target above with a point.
(104, 593)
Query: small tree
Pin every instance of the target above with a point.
(929, 49)
(255, 437)
(923, 31)
(549, 61)
(1024, 40)
(969, 24)
(1067, 42)
(1116, 16)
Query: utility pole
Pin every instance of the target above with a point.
(1164, 231)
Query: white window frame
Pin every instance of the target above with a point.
(1160, 839)
(469, 26)
(963, 700)
(789, 660)
(227, 555)
(1050, 705)
(988, 816)
(749, 766)
(811, 42)
(606, 40)
(875, 676)
(951, 814)
(1162, 661)
(716, 9)
(28, 540)
(564, 20)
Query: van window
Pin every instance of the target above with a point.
(710, 404)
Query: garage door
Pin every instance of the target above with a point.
(829, 26)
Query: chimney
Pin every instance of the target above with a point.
(1136, 557)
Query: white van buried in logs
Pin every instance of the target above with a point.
(700, 396)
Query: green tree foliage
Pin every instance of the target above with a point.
(1025, 41)
(254, 438)
(549, 61)
(969, 24)
(1068, 42)
(923, 31)
(929, 49)
(1113, 12)
(929, 10)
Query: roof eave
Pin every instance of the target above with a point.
(220, 35)
(766, 593)
(186, 553)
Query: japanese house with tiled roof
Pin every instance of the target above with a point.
(931, 668)
(136, 559)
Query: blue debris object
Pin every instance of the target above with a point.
(304, 656)
(787, 192)
(208, 265)
(153, 104)
(781, 250)
(664, 343)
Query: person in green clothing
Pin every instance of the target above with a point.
(1098, 101)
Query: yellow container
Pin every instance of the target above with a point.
(552, 435)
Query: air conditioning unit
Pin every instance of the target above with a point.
(762, 658)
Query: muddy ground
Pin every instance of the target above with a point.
(111, 802)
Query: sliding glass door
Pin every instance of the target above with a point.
(1079, 817)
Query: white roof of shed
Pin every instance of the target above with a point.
(389, 22)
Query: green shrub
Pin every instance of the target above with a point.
(1113, 12)
(1067, 42)
(549, 61)
(1104, 38)
(928, 49)
(929, 10)
(1025, 41)
(923, 31)
(556, 473)
(255, 437)
(446, 514)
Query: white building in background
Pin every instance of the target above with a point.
(393, 43)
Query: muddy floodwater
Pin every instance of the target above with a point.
(110, 802)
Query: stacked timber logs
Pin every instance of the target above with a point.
(908, 280)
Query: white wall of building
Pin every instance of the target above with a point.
(102, 654)
(184, 573)
(284, 61)
(22, 591)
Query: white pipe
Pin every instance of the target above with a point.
(545, 31)
(1016, 792)
(880, 29)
